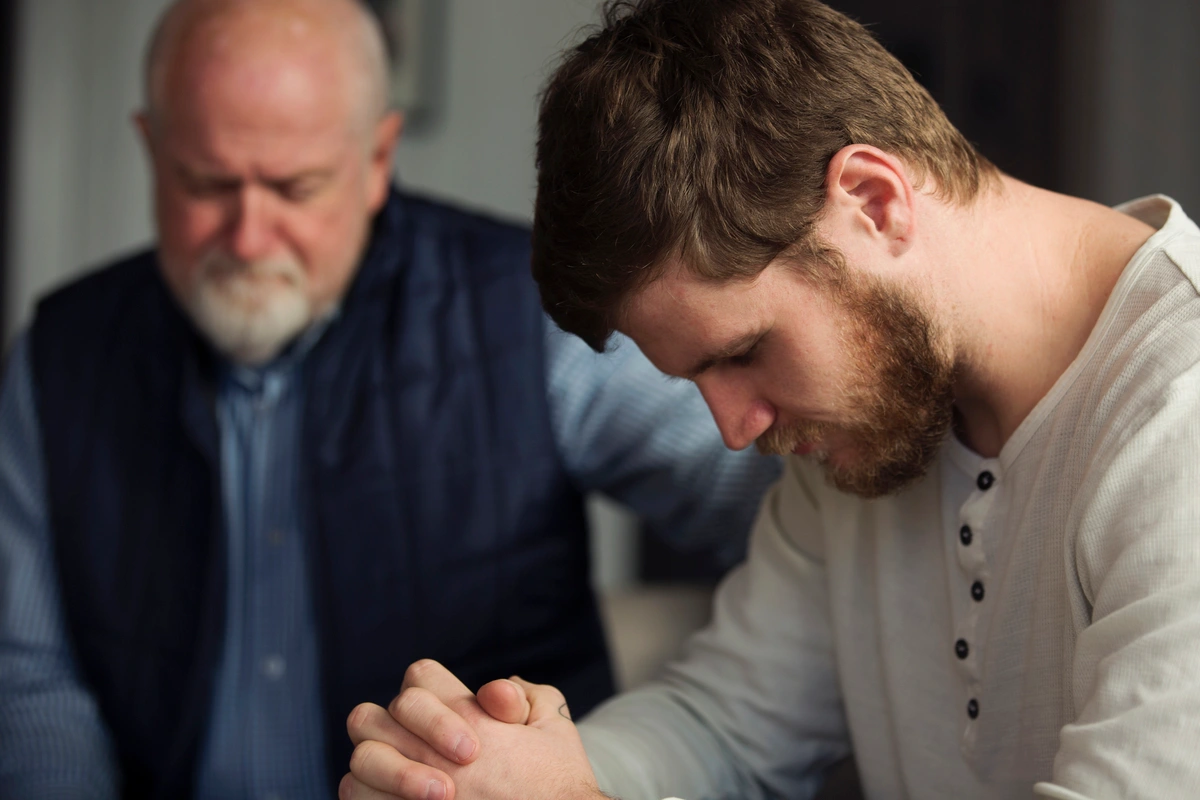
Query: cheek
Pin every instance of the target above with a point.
(327, 245)
(185, 232)
(188, 227)
(806, 385)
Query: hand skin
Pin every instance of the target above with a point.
(438, 741)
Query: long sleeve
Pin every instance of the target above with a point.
(625, 429)
(1136, 686)
(753, 709)
(53, 743)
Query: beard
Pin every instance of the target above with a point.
(900, 395)
(249, 311)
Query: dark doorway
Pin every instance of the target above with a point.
(995, 66)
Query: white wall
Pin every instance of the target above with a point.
(79, 182)
(478, 148)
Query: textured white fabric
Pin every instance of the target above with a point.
(1082, 653)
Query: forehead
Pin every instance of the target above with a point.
(222, 94)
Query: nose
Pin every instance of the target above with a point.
(741, 415)
(251, 234)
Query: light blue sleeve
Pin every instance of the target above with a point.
(625, 429)
(53, 743)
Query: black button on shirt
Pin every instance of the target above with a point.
(961, 649)
(977, 591)
(972, 708)
(985, 480)
(965, 535)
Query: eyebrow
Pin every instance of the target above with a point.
(313, 174)
(736, 347)
(206, 173)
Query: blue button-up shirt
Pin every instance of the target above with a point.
(265, 736)
(620, 425)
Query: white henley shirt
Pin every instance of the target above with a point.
(1007, 627)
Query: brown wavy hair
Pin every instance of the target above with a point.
(701, 130)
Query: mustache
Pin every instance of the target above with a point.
(782, 440)
(219, 265)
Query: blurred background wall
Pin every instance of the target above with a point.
(1094, 97)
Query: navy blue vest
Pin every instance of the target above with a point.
(444, 524)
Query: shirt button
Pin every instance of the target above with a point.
(964, 535)
(985, 480)
(274, 667)
(972, 708)
(977, 592)
(275, 536)
(961, 649)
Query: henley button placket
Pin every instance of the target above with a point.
(977, 591)
(972, 553)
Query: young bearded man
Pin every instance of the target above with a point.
(980, 572)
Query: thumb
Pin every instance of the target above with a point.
(504, 700)
(547, 706)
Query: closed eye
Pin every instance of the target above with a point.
(297, 190)
(209, 186)
(740, 352)
(746, 357)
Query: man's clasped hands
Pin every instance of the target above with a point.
(437, 740)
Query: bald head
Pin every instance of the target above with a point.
(287, 42)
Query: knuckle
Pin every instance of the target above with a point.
(399, 780)
(444, 731)
(362, 758)
(360, 717)
(391, 775)
(419, 669)
(407, 704)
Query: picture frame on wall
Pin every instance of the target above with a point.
(406, 26)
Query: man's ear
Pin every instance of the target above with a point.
(145, 128)
(872, 195)
(383, 146)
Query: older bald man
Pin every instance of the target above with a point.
(320, 430)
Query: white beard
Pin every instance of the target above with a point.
(249, 311)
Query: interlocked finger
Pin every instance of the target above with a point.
(378, 770)
(424, 715)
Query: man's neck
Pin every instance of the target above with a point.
(1036, 273)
